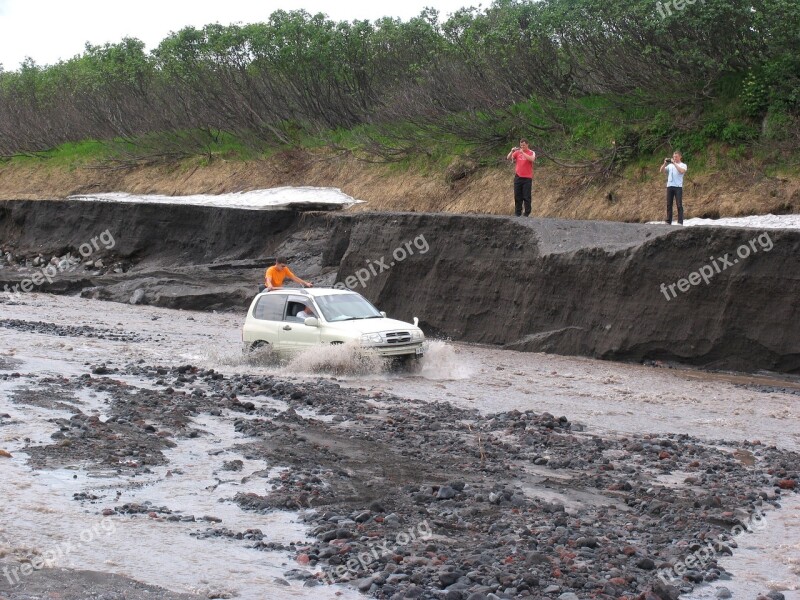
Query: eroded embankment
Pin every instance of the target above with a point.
(570, 287)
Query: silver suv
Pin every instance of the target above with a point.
(279, 318)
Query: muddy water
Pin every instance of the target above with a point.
(768, 559)
(38, 507)
(605, 397)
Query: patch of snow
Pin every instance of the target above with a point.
(769, 221)
(255, 199)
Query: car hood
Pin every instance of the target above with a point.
(372, 325)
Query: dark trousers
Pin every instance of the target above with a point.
(522, 194)
(677, 193)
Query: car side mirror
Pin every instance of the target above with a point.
(383, 314)
(311, 321)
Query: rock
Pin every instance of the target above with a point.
(568, 596)
(787, 484)
(551, 589)
(537, 558)
(665, 591)
(647, 564)
(365, 583)
(723, 592)
(137, 297)
(392, 521)
(445, 493)
(4, 454)
(448, 578)
(694, 576)
(363, 517)
(775, 595)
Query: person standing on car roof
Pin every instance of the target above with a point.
(274, 276)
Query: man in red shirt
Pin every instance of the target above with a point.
(523, 177)
(274, 276)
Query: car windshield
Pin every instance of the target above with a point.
(346, 307)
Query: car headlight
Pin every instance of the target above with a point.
(417, 335)
(371, 338)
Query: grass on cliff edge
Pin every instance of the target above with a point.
(719, 141)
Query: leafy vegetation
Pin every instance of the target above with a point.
(596, 84)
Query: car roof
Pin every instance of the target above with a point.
(313, 292)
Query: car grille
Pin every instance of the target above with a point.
(397, 337)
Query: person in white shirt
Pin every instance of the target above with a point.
(306, 312)
(675, 169)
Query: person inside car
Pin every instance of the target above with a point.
(306, 312)
(275, 275)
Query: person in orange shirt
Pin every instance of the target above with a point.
(274, 276)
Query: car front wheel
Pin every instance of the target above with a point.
(257, 345)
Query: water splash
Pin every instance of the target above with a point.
(442, 361)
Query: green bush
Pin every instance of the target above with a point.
(735, 133)
(780, 126)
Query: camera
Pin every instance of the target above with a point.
(515, 148)
(667, 160)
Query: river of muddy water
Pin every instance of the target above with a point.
(38, 513)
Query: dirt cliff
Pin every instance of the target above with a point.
(717, 297)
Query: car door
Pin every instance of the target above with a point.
(296, 335)
(267, 324)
